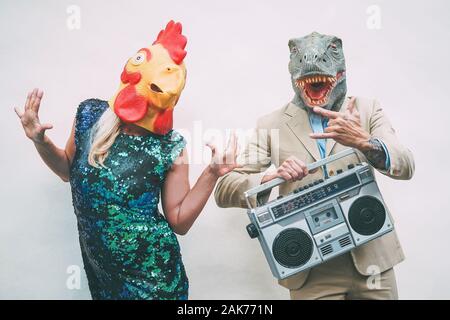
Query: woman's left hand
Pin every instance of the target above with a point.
(222, 163)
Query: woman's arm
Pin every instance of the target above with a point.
(58, 160)
(181, 204)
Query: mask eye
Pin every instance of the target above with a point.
(138, 58)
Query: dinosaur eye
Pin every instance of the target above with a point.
(138, 58)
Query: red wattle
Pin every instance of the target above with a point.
(163, 122)
(129, 106)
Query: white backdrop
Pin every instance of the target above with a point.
(396, 51)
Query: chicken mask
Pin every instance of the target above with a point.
(152, 81)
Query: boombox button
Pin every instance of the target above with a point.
(350, 166)
(339, 171)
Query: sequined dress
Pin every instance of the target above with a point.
(129, 250)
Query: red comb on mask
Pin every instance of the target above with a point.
(174, 42)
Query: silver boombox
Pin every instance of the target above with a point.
(318, 221)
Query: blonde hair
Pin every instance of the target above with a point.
(103, 135)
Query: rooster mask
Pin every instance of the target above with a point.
(152, 81)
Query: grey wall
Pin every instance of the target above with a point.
(237, 62)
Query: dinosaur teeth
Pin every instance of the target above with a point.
(316, 79)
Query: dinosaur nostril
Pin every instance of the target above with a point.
(155, 88)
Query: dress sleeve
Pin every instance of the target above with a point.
(176, 144)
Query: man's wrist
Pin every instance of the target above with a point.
(375, 152)
(365, 145)
(268, 176)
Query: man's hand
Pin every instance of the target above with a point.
(345, 128)
(292, 169)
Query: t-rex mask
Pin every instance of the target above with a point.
(152, 81)
(317, 68)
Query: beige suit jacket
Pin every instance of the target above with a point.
(291, 137)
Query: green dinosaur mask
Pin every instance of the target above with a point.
(317, 68)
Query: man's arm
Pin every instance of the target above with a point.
(377, 145)
(401, 160)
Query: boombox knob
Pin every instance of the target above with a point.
(252, 231)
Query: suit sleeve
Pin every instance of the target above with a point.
(256, 159)
(401, 159)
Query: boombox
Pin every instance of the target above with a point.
(318, 221)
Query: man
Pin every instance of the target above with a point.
(321, 120)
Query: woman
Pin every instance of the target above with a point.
(118, 160)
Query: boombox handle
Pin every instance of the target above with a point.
(277, 181)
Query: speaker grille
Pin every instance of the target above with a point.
(326, 249)
(292, 248)
(343, 242)
(367, 215)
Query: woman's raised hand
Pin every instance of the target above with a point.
(222, 163)
(30, 118)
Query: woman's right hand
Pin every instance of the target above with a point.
(30, 118)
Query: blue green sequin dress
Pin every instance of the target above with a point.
(129, 250)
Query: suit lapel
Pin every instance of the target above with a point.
(330, 142)
(300, 126)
